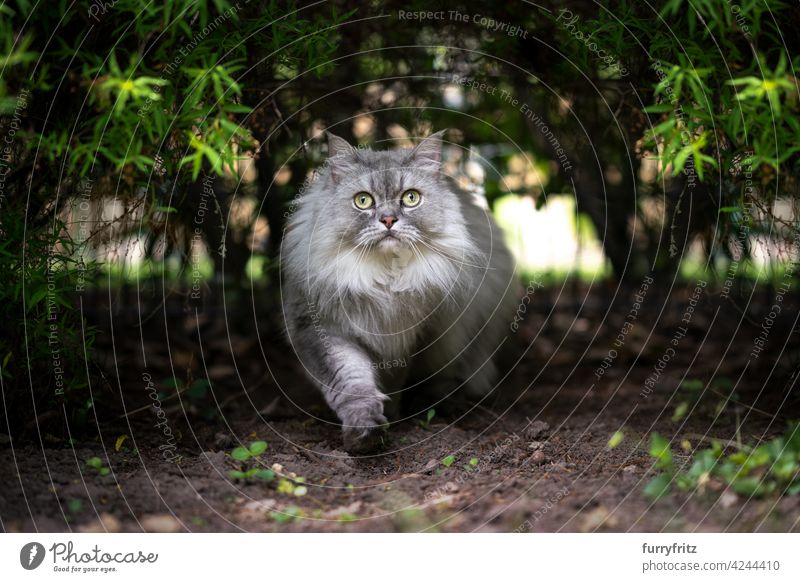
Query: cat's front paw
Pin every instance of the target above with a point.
(364, 441)
(363, 426)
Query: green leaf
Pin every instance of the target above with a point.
(36, 298)
(94, 462)
(659, 486)
(680, 411)
(680, 160)
(198, 389)
(448, 460)
(659, 108)
(704, 462)
(285, 486)
(287, 515)
(660, 451)
(750, 486)
(615, 439)
(241, 454)
(236, 474)
(685, 482)
(236, 108)
(265, 474)
(693, 384)
(172, 383)
(258, 447)
(664, 127)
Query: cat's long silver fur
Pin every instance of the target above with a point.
(434, 287)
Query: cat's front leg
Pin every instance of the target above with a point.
(348, 380)
(363, 422)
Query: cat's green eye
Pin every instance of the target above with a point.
(410, 198)
(363, 200)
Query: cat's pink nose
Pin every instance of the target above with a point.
(388, 220)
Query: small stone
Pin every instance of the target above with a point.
(260, 505)
(537, 458)
(223, 440)
(338, 512)
(536, 445)
(728, 499)
(598, 518)
(630, 469)
(432, 464)
(163, 523)
(451, 487)
(537, 429)
(105, 523)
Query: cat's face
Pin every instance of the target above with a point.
(389, 200)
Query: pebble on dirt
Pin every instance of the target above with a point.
(537, 429)
(163, 523)
(537, 458)
(106, 523)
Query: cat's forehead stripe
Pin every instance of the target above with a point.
(384, 172)
(387, 179)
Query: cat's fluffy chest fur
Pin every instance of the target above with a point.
(388, 300)
(385, 259)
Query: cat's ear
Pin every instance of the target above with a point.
(339, 154)
(338, 146)
(429, 150)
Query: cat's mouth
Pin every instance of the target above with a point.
(388, 239)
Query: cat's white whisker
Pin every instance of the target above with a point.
(422, 257)
(456, 260)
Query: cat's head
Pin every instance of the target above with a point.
(386, 201)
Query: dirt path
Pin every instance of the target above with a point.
(533, 458)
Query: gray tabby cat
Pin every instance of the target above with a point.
(384, 260)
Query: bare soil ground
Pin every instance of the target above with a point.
(532, 457)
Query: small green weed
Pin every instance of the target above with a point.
(254, 451)
(97, 464)
(756, 471)
(287, 484)
(263, 474)
(288, 515)
(426, 424)
(616, 439)
(690, 394)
